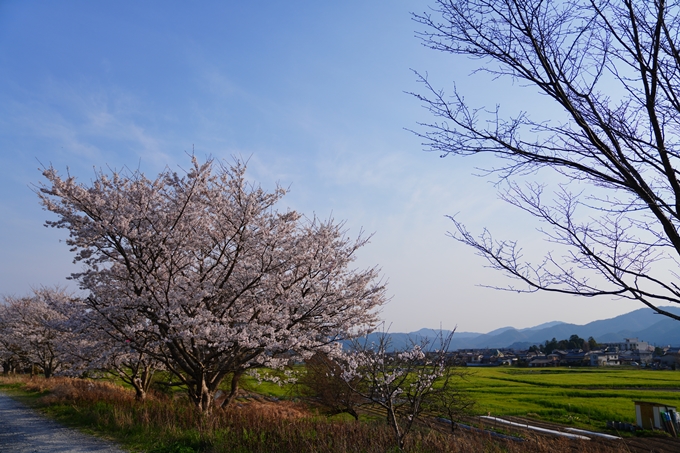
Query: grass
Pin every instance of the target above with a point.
(171, 425)
(167, 423)
(583, 397)
(266, 388)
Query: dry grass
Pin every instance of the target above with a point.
(65, 390)
(164, 425)
(281, 410)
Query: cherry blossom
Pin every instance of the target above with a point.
(201, 272)
(401, 382)
(30, 331)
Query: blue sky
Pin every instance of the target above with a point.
(312, 93)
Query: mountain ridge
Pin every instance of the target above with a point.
(643, 323)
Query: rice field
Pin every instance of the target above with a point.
(587, 397)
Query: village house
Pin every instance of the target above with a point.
(632, 351)
(544, 361)
(670, 359)
(604, 358)
(630, 344)
(576, 357)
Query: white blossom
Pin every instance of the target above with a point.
(201, 271)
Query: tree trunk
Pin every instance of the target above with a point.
(234, 388)
(202, 397)
(200, 393)
(140, 391)
(48, 371)
(353, 413)
(142, 381)
(392, 420)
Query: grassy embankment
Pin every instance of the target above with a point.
(581, 397)
(170, 425)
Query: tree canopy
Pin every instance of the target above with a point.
(202, 273)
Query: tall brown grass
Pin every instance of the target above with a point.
(164, 424)
(66, 390)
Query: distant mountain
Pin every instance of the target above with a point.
(405, 340)
(643, 324)
(545, 325)
(500, 331)
(662, 333)
(434, 332)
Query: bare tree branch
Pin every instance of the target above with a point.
(612, 68)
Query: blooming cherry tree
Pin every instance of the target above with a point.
(97, 348)
(401, 382)
(202, 273)
(13, 353)
(30, 330)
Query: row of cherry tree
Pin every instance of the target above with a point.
(29, 335)
(197, 273)
(59, 333)
(52, 331)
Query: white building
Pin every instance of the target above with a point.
(631, 344)
(604, 358)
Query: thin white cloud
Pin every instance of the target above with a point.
(86, 123)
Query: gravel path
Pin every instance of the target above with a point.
(24, 431)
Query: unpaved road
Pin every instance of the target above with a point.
(25, 431)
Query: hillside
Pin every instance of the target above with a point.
(643, 324)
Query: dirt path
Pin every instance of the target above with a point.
(22, 430)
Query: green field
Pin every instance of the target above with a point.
(587, 397)
(584, 397)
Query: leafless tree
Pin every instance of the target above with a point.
(323, 382)
(609, 149)
(450, 399)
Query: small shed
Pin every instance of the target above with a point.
(656, 416)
